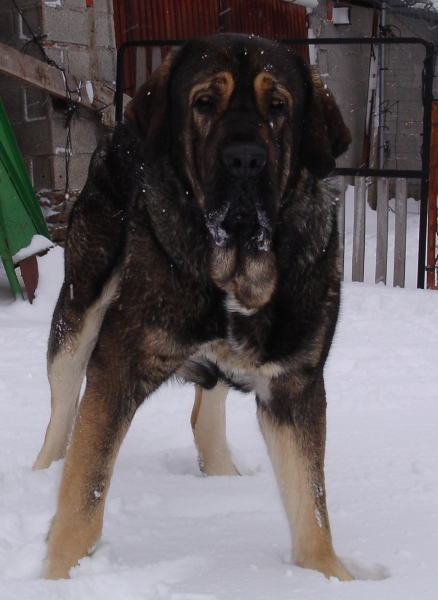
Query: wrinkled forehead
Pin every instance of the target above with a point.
(240, 61)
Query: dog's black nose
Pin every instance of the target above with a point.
(244, 159)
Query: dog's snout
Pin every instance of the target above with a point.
(244, 159)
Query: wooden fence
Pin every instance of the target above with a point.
(382, 235)
(400, 226)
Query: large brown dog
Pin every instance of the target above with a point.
(205, 246)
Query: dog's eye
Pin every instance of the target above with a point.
(277, 105)
(205, 103)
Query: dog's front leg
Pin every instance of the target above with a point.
(72, 338)
(295, 437)
(101, 424)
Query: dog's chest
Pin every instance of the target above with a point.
(240, 356)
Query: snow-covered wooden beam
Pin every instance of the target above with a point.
(90, 94)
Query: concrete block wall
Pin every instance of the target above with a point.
(79, 38)
(25, 106)
(404, 119)
(345, 70)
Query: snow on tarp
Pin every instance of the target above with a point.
(38, 244)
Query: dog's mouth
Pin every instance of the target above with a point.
(242, 262)
(240, 223)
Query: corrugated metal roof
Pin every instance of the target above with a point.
(164, 19)
(185, 19)
(267, 18)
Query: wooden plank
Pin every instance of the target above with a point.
(401, 194)
(156, 58)
(36, 73)
(358, 264)
(382, 230)
(140, 66)
(431, 276)
(341, 224)
(90, 94)
(30, 275)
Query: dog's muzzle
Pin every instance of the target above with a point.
(241, 218)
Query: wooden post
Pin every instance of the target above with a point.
(38, 74)
(432, 204)
(29, 273)
(341, 224)
(90, 94)
(156, 58)
(382, 230)
(140, 66)
(358, 265)
(401, 209)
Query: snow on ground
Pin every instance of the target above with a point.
(172, 534)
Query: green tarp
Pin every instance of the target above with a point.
(20, 214)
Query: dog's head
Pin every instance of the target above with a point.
(240, 118)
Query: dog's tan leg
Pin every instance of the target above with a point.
(209, 428)
(66, 374)
(66, 371)
(101, 424)
(301, 482)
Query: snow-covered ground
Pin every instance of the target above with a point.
(172, 534)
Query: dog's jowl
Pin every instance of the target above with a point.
(204, 246)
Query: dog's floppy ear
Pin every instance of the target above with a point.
(146, 111)
(325, 135)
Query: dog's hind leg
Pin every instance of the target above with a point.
(296, 450)
(70, 348)
(208, 422)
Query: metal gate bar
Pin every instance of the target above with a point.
(432, 282)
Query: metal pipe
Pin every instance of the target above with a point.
(428, 76)
(382, 113)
